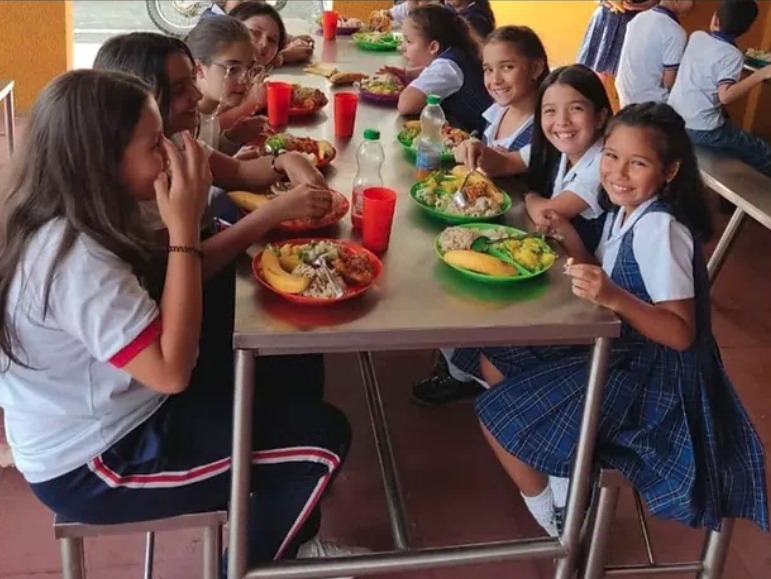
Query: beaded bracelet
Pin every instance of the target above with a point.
(185, 249)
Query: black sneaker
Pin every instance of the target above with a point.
(441, 388)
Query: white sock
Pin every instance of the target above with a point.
(542, 508)
(559, 488)
(456, 372)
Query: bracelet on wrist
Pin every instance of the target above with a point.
(185, 249)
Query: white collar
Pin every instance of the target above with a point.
(589, 157)
(617, 229)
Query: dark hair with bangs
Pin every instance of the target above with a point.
(251, 8)
(144, 54)
(685, 193)
(450, 30)
(69, 167)
(544, 158)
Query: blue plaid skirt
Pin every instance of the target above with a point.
(604, 38)
(671, 421)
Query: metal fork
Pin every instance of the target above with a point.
(321, 263)
(459, 197)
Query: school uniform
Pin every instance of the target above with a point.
(712, 60)
(670, 421)
(213, 10)
(517, 141)
(99, 447)
(399, 13)
(459, 81)
(604, 38)
(654, 43)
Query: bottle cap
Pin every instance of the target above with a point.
(433, 99)
(371, 134)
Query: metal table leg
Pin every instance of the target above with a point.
(241, 466)
(393, 491)
(582, 469)
(724, 244)
(595, 559)
(10, 122)
(212, 552)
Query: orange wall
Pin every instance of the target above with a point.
(35, 44)
(360, 8)
(560, 23)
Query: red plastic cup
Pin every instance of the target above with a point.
(279, 97)
(346, 104)
(377, 217)
(329, 24)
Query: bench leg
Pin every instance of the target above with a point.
(212, 552)
(724, 244)
(73, 559)
(716, 550)
(149, 554)
(606, 509)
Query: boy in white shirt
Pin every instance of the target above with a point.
(710, 78)
(652, 51)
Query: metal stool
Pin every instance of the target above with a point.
(713, 556)
(71, 535)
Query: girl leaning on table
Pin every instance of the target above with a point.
(167, 66)
(108, 416)
(445, 61)
(671, 421)
(571, 111)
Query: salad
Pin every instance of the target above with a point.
(452, 136)
(382, 84)
(484, 198)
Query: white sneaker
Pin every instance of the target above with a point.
(318, 549)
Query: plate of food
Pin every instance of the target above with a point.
(306, 101)
(759, 58)
(316, 271)
(434, 195)
(377, 41)
(382, 88)
(494, 253)
(319, 152)
(248, 202)
(452, 138)
(345, 26)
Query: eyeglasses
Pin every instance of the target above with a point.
(239, 72)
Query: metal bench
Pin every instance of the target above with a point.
(71, 535)
(6, 96)
(709, 566)
(740, 184)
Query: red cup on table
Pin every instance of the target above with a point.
(279, 97)
(329, 24)
(377, 218)
(346, 104)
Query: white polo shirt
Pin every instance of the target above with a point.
(654, 43)
(663, 250)
(494, 115)
(74, 401)
(441, 77)
(710, 60)
(583, 179)
(399, 12)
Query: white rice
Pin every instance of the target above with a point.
(462, 237)
(320, 286)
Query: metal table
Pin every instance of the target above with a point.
(6, 95)
(419, 303)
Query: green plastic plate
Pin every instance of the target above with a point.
(524, 273)
(381, 46)
(458, 219)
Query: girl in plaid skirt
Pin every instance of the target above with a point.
(671, 421)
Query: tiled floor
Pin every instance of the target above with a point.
(455, 491)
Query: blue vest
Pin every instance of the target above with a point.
(464, 109)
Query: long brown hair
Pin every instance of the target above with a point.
(448, 29)
(68, 168)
